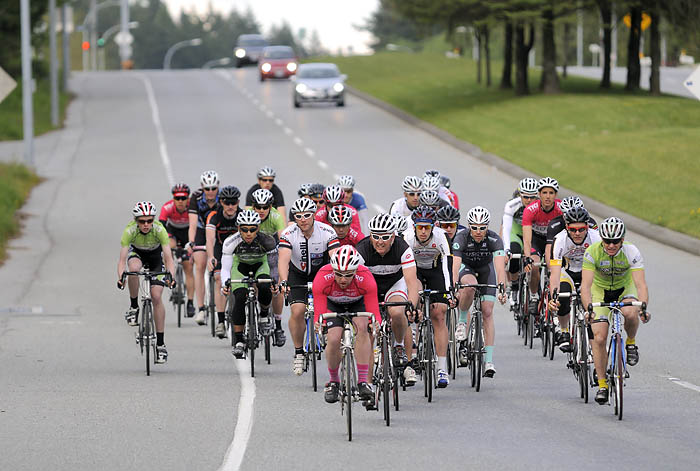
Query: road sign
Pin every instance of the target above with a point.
(7, 84)
(646, 21)
(124, 38)
(692, 83)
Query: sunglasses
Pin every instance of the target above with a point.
(248, 229)
(383, 237)
(145, 221)
(211, 188)
(612, 241)
(425, 227)
(267, 180)
(449, 225)
(179, 198)
(343, 275)
(413, 193)
(300, 216)
(256, 206)
(575, 230)
(478, 228)
(229, 202)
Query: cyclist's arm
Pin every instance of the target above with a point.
(586, 283)
(226, 265)
(499, 263)
(641, 283)
(371, 299)
(410, 275)
(547, 254)
(210, 232)
(285, 256)
(456, 265)
(168, 258)
(283, 212)
(506, 227)
(121, 265)
(445, 269)
(320, 298)
(554, 275)
(192, 230)
(527, 240)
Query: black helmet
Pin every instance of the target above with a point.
(448, 214)
(229, 192)
(576, 214)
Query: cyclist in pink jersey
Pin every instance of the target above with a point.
(334, 196)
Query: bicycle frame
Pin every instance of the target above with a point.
(579, 355)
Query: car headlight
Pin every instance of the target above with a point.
(291, 66)
(240, 53)
(338, 87)
(266, 67)
(300, 88)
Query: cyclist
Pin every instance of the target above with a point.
(303, 249)
(391, 262)
(446, 183)
(201, 203)
(433, 183)
(221, 224)
(565, 265)
(175, 217)
(333, 196)
(536, 218)
(448, 221)
(312, 191)
(558, 224)
(346, 286)
(340, 219)
(243, 253)
(272, 224)
(480, 251)
(431, 250)
(613, 270)
(354, 198)
(412, 186)
(145, 244)
(266, 180)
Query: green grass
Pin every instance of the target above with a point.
(16, 180)
(11, 111)
(631, 151)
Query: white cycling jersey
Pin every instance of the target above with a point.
(432, 253)
(400, 208)
(513, 212)
(566, 249)
(309, 255)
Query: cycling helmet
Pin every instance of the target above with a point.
(346, 182)
(445, 181)
(262, 197)
(340, 215)
(333, 194)
(431, 183)
(429, 198)
(576, 214)
(304, 189)
(570, 202)
(303, 205)
(411, 183)
(209, 178)
(448, 214)
(528, 187)
(401, 224)
(424, 215)
(548, 182)
(382, 223)
(266, 172)
(248, 217)
(316, 189)
(478, 215)
(612, 228)
(181, 189)
(143, 208)
(432, 173)
(229, 192)
(345, 259)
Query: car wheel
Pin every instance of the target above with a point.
(238, 64)
(297, 104)
(340, 102)
(262, 78)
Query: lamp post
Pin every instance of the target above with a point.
(215, 62)
(27, 85)
(175, 47)
(102, 42)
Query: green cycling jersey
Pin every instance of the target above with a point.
(272, 223)
(612, 272)
(154, 239)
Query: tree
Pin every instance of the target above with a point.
(549, 82)
(506, 81)
(605, 8)
(388, 25)
(633, 67)
(522, 51)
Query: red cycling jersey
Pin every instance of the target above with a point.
(171, 217)
(352, 238)
(322, 216)
(362, 286)
(538, 218)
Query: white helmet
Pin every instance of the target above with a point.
(432, 173)
(345, 259)
(411, 183)
(209, 178)
(612, 228)
(346, 182)
(262, 197)
(528, 186)
(401, 224)
(382, 223)
(431, 183)
(303, 205)
(143, 208)
(266, 172)
(248, 217)
(333, 194)
(340, 215)
(429, 198)
(548, 182)
(478, 215)
(570, 202)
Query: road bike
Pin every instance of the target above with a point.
(547, 321)
(348, 390)
(427, 357)
(525, 319)
(579, 355)
(210, 303)
(452, 343)
(179, 294)
(313, 342)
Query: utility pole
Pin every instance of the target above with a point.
(66, 46)
(93, 35)
(27, 85)
(53, 63)
(579, 37)
(124, 46)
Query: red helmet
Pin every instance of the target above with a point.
(340, 215)
(424, 215)
(181, 189)
(333, 195)
(345, 259)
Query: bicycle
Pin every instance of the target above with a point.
(211, 303)
(452, 343)
(253, 334)
(145, 337)
(427, 357)
(348, 371)
(178, 295)
(580, 351)
(524, 318)
(313, 342)
(616, 371)
(548, 322)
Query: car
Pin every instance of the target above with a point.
(248, 49)
(277, 62)
(319, 82)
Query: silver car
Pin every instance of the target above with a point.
(319, 82)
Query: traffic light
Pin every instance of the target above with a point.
(101, 42)
(86, 45)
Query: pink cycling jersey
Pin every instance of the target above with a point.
(362, 286)
(352, 238)
(170, 216)
(322, 216)
(538, 218)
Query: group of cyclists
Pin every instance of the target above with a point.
(419, 244)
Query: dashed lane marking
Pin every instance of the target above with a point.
(685, 384)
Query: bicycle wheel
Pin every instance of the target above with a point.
(430, 357)
(619, 375)
(452, 344)
(471, 349)
(267, 349)
(312, 352)
(252, 335)
(386, 380)
(147, 333)
(582, 359)
(479, 350)
(179, 293)
(531, 329)
(398, 382)
(544, 335)
(212, 304)
(347, 367)
(525, 313)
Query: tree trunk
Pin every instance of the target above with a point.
(506, 81)
(567, 30)
(487, 55)
(522, 50)
(606, 16)
(633, 68)
(477, 38)
(655, 79)
(549, 82)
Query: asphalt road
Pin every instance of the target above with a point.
(672, 78)
(72, 390)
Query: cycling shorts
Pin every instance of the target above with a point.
(539, 244)
(433, 279)
(568, 282)
(356, 306)
(179, 234)
(484, 275)
(200, 241)
(398, 289)
(151, 260)
(241, 270)
(599, 294)
(298, 295)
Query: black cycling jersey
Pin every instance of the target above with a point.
(477, 254)
(199, 206)
(276, 193)
(224, 226)
(387, 268)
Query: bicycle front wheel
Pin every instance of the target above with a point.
(312, 352)
(582, 360)
(386, 380)
(479, 350)
(452, 343)
(212, 306)
(347, 370)
(252, 335)
(147, 334)
(619, 375)
(430, 361)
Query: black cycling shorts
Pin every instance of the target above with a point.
(485, 275)
(357, 306)
(298, 295)
(179, 234)
(433, 279)
(151, 260)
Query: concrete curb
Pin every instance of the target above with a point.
(652, 231)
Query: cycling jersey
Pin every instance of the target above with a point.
(272, 224)
(387, 268)
(611, 273)
(224, 226)
(539, 219)
(352, 238)
(309, 255)
(200, 207)
(276, 193)
(322, 216)
(362, 287)
(431, 256)
(171, 218)
(558, 224)
(569, 254)
(477, 254)
(358, 202)
(155, 239)
(400, 207)
(454, 199)
(513, 221)
(236, 251)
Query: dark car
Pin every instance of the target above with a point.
(277, 62)
(248, 49)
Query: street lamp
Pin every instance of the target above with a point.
(102, 41)
(175, 47)
(215, 62)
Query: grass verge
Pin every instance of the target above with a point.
(631, 151)
(17, 181)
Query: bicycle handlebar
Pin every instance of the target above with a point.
(618, 304)
(251, 281)
(344, 315)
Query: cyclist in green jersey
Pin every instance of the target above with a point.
(144, 244)
(613, 270)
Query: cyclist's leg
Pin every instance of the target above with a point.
(630, 313)
(240, 292)
(516, 247)
(487, 275)
(154, 262)
(333, 356)
(264, 290)
(135, 264)
(567, 284)
(599, 326)
(435, 280)
(200, 263)
(297, 299)
(399, 324)
(467, 276)
(219, 299)
(277, 299)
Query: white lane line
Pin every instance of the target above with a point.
(322, 164)
(298, 141)
(685, 384)
(288, 131)
(336, 177)
(256, 101)
(278, 122)
(263, 108)
(244, 423)
(379, 209)
(159, 130)
(309, 152)
(270, 114)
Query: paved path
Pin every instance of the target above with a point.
(672, 78)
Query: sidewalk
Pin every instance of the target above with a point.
(672, 78)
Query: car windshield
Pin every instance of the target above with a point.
(252, 42)
(279, 54)
(319, 72)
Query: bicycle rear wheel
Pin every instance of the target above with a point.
(267, 349)
(479, 350)
(212, 305)
(452, 344)
(582, 360)
(179, 293)
(347, 367)
(619, 375)
(551, 342)
(386, 380)
(312, 352)
(531, 330)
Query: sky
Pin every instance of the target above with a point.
(333, 22)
